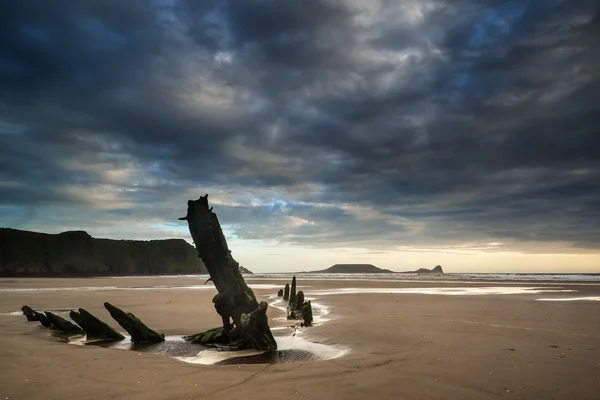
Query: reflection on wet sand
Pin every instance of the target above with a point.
(290, 349)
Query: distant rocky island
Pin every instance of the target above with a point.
(436, 270)
(245, 270)
(76, 253)
(353, 269)
(371, 269)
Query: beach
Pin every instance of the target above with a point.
(392, 339)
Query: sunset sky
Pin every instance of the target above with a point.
(403, 133)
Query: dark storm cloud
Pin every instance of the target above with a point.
(324, 122)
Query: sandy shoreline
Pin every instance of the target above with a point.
(401, 345)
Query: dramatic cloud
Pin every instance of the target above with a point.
(379, 125)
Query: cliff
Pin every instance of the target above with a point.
(353, 269)
(76, 253)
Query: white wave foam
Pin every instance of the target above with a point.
(588, 298)
(445, 291)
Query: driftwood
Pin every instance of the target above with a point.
(243, 318)
(94, 327)
(61, 324)
(139, 332)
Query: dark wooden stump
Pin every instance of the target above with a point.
(139, 332)
(235, 302)
(43, 319)
(286, 292)
(94, 327)
(299, 299)
(293, 293)
(29, 313)
(61, 324)
(297, 307)
(307, 314)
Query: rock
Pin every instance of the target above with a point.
(436, 270)
(245, 271)
(139, 332)
(61, 324)
(286, 292)
(352, 269)
(299, 300)
(293, 292)
(307, 314)
(280, 293)
(94, 327)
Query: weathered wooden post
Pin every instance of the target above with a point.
(286, 292)
(240, 312)
(293, 292)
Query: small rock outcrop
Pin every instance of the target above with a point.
(437, 270)
(353, 269)
(138, 331)
(245, 271)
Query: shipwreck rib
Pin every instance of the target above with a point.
(94, 327)
(61, 324)
(235, 302)
(139, 332)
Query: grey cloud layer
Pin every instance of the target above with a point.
(324, 122)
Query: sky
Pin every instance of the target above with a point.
(402, 133)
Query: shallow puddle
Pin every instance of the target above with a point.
(173, 345)
(290, 349)
(320, 311)
(53, 310)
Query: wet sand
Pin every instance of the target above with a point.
(401, 345)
